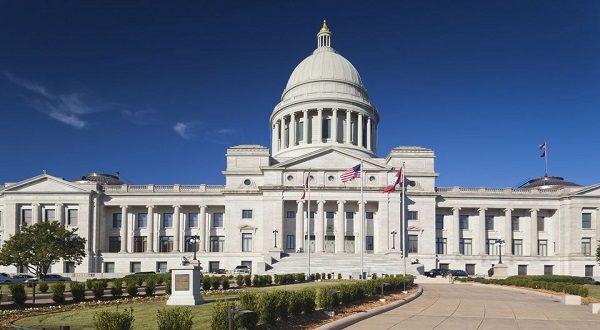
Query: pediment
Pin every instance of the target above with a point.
(331, 158)
(45, 184)
(593, 190)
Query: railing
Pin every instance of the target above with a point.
(173, 188)
(499, 190)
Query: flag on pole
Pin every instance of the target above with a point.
(305, 186)
(543, 150)
(395, 181)
(351, 173)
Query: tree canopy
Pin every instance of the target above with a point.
(38, 246)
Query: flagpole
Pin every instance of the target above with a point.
(546, 159)
(361, 207)
(308, 222)
(404, 254)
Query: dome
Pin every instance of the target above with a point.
(101, 178)
(547, 182)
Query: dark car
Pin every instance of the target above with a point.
(436, 272)
(458, 273)
(590, 280)
(220, 271)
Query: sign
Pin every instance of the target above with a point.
(182, 282)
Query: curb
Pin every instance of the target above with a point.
(350, 320)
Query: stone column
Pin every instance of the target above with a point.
(334, 125)
(482, 233)
(369, 133)
(533, 233)
(292, 130)
(60, 213)
(347, 136)
(123, 229)
(202, 225)
(275, 137)
(360, 130)
(176, 228)
(508, 231)
(305, 128)
(35, 213)
(319, 227)
(151, 231)
(320, 125)
(338, 227)
(359, 223)
(282, 133)
(456, 230)
(300, 225)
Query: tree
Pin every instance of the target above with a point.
(42, 244)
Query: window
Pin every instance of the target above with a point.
(135, 267)
(440, 245)
(161, 267)
(369, 215)
(290, 214)
(217, 220)
(192, 220)
(463, 222)
(290, 242)
(142, 220)
(26, 217)
(517, 247)
(246, 214)
(165, 244)
(522, 270)
(312, 215)
(72, 214)
(470, 269)
(548, 269)
(490, 247)
(114, 244)
(515, 223)
(586, 246)
(213, 266)
(540, 224)
(330, 215)
(246, 242)
(444, 266)
(543, 247)
(489, 222)
(439, 221)
(116, 220)
(589, 270)
(299, 131)
(217, 243)
(167, 220)
(326, 128)
(247, 263)
(189, 244)
(369, 245)
(349, 215)
(69, 267)
(413, 215)
(413, 244)
(109, 267)
(49, 215)
(465, 246)
(586, 220)
(140, 243)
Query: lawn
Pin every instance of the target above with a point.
(594, 290)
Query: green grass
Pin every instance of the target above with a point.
(594, 290)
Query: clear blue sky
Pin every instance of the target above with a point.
(102, 87)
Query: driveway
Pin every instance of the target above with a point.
(465, 306)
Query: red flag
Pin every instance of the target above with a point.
(305, 187)
(395, 181)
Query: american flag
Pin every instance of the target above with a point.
(306, 180)
(543, 149)
(351, 173)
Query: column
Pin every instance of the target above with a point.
(369, 133)
(305, 128)
(360, 131)
(60, 213)
(533, 233)
(334, 126)
(176, 228)
(508, 231)
(359, 223)
(275, 137)
(381, 227)
(151, 231)
(36, 213)
(202, 225)
(300, 225)
(123, 229)
(456, 230)
(319, 125)
(319, 227)
(347, 136)
(131, 231)
(338, 228)
(292, 130)
(482, 231)
(282, 133)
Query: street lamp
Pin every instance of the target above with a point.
(500, 244)
(275, 231)
(194, 239)
(394, 233)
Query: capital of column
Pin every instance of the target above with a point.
(534, 210)
(35, 204)
(341, 202)
(506, 210)
(300, 202)
(124, 207)
(59, 204)
(456, 209)
(176, 207)
(150, 207)
(361, 202)
(201, 207)
(482, 209)
(321, 202)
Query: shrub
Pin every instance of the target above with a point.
(300, 277)
(339, 276)
(255, 280)
(173, 318)
(109, 320)
(295, 303)
(374, 276)
(318, 276)
(205, 283)
(58, 293)
(225, 282)
(88, 283)
(325, 299)
(117, 288)
(239, 280)
(219, 317)
(150, 286)
(78, 291)
(328, 276)
(283, 304)
(249, 301)
(269, 279)
(98, 289)
(168, 285)
(139, 280)
(18, 293)
(277, 279)
(247, 280)
(267, 307)
(132, 289)
(215, 282)
(308, 300)
(43, 286)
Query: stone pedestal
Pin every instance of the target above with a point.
(185, 285)
(500, 271)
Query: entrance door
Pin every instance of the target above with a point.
(312, 243)
(329, 244)
(349, 244)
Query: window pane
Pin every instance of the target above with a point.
(142, 220)
(73, 215)
(161, 267)
(26, 217)
(413, 244)
(439, 221)
(166, 244)
(246, 242)
(116, 220)
(349, 215)
(586, 220)
(290, 214)
(515, 223)
(217, 220)
(50, 215)
(369, 215)
(167, 220)
(290, 242)
(109, 267)
(330, 215)
(192, 220)
(135, 267)
(246, 214)
(413, 215)
(464, 222)
(489, 222)
(540, 224)
(114, 244)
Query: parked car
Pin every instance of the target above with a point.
(436, 272)
(458, 273)
(220, 271)
(5, 279)
(50, 278)
(590, 280)
(241, 269)
(19, 278)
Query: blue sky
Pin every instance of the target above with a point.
(159, 89)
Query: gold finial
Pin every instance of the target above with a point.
(325, 28)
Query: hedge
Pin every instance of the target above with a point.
(556, 283)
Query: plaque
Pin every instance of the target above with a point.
(182, 282)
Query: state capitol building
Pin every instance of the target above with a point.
(324, 123)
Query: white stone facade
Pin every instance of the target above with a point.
(324, 124)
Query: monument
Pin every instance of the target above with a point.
(186, 284)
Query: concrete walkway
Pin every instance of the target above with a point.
(461, 306)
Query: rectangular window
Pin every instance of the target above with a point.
(165, 244)
(517, 247)
(217, 243)
(73, 215)
(50, 215)
(543, 247)
(465, 246)
(330, 215)
(27, 217)
(213, 266)
(246, 214)
(246, 242)
(589, 270)
(439, 221)
(369, 215)
(114, 244)
(540, 224)
(116, 220)
(140, 243)
(69, 267)
(490, 247)
(586, 220)
(470, 269)
(326, 128)
(217, 220)
(548, 269)
(167, 220)
(300, 132)
(135, 267)
(192, 220)
(440, 245)
(413, 244)
(247, 263)
(586, 246)
(412, 215)
(515, 223)
(290, 214)
(191, 245)
(444, 266)
(161, 267)
(522, 270)
(349, 215)
(109, 267)
(369, 245)
(290, 242)
(489, 222)
(463, 222)
(312, 215)
(142, 220)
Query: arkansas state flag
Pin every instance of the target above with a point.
(395, 181)
(543, 147)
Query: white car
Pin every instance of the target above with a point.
(242, 269)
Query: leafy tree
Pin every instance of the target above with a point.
(40, 245)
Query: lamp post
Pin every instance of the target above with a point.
(394, 233)
(275, 231)
(500, 243)
(194, 239)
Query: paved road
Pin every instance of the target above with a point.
(463, 306)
